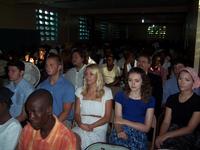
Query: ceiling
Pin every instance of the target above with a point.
(100, 4)
(123, 11)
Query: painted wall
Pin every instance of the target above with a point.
(17, 17)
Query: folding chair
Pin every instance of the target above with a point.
(105, 146)
(154, 126)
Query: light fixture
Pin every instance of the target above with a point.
(142, 20)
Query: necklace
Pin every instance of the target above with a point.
(184, 98)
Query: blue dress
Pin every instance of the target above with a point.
(132, 110)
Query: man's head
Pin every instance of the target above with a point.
(178, 65)
(78, 57)
(110, 60)
(16, 70)
(5, 100)
(39, 108)
(144, 62)
(53, 65)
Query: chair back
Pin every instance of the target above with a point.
(105, 146)
(154, 126)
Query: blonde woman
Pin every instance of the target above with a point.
(93, 107)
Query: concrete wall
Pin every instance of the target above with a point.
(17, 17)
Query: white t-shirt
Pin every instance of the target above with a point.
(110, 76)
(75, 77)
(9, 134)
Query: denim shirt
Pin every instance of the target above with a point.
(21, 92)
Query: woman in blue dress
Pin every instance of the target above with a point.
(134, 111)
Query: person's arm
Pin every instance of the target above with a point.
(68, 99)
(22, 116)
(105, 118)
(136, 125)
(164, 127)
(118, 114)
(66, 110)
(77, 116)
(166, 122)
(193, 123)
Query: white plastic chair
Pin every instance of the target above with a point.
(105, 146)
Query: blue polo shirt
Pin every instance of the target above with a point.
(62, 91)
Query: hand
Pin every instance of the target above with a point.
(122, 135)
(85, 127)
(160, 140)
(90, 127)
(119, 121)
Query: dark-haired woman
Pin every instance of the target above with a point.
(134, 111)
(182, 114)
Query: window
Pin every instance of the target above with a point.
(103, 30)
(47, 24)
(83, 28)
(156, 31)
(115, 31)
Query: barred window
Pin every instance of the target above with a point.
(83, 28)
(156, 31)
(47, 24)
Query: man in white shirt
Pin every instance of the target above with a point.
(10, 128)
(75, 74)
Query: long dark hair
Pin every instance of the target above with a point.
(146, 89)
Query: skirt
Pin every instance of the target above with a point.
(137, 140)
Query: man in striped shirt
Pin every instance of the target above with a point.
(44, 132)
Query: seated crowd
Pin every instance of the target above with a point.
(114, 102)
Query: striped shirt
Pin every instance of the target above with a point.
(59, 138)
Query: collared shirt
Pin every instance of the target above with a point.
(59, 138)
(62, 91)
(75, 77)
(21, 92)
(169, 88)
(9, 134)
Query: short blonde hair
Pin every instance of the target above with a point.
(99, 81)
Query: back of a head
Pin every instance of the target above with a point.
(145, 55)
(179, 61)
(137, 70)
(5, 96)
(41, 95)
